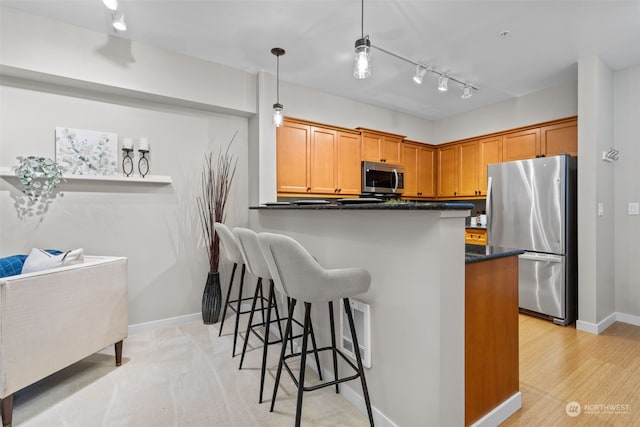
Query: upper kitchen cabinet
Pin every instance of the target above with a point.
(419, 170)
(521, 145)
(293, 155)
(381, 146)
(549, 140)
(489, 151)
(317, 160)
(458, 170)
(559, 138)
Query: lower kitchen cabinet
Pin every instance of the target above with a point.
(475, 236)
(491, 335)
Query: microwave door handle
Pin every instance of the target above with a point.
(395, 175)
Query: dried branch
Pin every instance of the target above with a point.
(212, 202)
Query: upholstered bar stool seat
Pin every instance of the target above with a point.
(233, 254)
(302, 278)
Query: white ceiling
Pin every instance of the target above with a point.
(458, 37)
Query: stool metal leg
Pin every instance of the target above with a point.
(235, 331)
(315, 348)
(275, 304)
(303, 361)
(333, 345)
(253, 309)
(265, 345)
(290, 341)
(287, 337)
(226, 301)
(356, 349)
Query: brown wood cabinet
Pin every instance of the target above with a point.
(491, 335)
(317, 160)
(475, 236)
(543, 141)
(419, 170)
(458, 170)
(489, 151)
(447, 171)
(380, 146)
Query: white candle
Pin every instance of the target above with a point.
(127, 144)
(143, 144)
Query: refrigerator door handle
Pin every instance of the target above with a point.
(541, 257)
(488, 208)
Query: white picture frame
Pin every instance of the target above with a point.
(87, 152)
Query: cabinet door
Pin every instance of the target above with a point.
(560, 138)
(468, 169)
(490, 151)
(411, 169)
(447, 171)
(349, 170)
(390, 150)
(426, 172)
(323, 161)
(371, 147)
(521, 145)
(292, 152)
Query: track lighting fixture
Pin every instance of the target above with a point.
(278, 116)
(420, 72)
(362, 68)
(111, 4)
(443, 83)
(466, 92)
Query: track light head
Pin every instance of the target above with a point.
(118, 22)
(111, 4)
(420, 72)
(362, 68)
(466, 92)
(443, 83)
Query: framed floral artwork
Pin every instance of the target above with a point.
(87, 152)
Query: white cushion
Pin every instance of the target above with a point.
(39, 260)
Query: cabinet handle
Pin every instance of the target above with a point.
(308, 188)
(455, 193)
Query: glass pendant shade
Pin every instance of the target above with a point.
(362, 68)
(278, 116)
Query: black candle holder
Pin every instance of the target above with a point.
(143, 163)
(127, 161)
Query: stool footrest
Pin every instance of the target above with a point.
(235, 310)
(325, 383)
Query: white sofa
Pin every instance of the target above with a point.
(54, 318)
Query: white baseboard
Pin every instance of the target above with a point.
(163, 323)
(598, 328)
(501, 412)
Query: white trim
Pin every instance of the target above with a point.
(8, 172)
(501, 412)
(163, 323)
(596, 328)
(628, 318)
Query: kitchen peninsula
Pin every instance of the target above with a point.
(415, 254)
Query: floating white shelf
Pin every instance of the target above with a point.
(6, 172)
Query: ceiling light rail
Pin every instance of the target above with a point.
(421, 69)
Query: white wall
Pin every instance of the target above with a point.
(548, 104)
(627, 189)
(68, 76)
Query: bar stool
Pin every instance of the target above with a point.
(302, 278)
(233, 254)
(248, 244)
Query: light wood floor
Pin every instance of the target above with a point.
(559, 365)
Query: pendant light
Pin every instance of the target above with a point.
(277, 107)
(362, 68)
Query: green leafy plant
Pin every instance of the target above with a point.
(39, 176)
(212, 201)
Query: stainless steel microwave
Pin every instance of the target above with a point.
(382, 178)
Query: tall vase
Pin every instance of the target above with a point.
(211, 299)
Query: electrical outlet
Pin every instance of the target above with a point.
(634, 208)
(600, 209)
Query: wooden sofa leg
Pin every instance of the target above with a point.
(118, 347)
(6, 406)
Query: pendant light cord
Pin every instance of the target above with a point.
(278, 79)
(362, 20)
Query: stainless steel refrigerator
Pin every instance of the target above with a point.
(531, 205)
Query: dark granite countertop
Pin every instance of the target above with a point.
(476, 253)
(476, 227)
(402, 206)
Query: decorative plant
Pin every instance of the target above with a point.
(39, 176)
(216, 183)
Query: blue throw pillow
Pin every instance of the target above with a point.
(11, 265)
